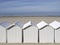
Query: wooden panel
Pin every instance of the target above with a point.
(31, 35)
(2, 35)
(14, 35)
(46, 35)
(57, 36)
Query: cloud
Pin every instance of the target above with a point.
(29, 6)
(31, 9)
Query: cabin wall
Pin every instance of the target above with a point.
(2, 35)
(57, 36)
(46, 35)
(14, 35)
(31, 35)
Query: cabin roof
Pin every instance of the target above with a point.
(20, 24)
(55, 24)
(29, 23)
(41, 24)
(5, 24)
(15, 24)
(10, 26)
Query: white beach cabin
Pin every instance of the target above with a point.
(3, 26)
(30, 33)
(56, 26)
(15, 33)
(45, 33)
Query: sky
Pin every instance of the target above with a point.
(29, 7)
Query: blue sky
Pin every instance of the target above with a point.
(29, 7)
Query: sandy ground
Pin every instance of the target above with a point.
(30, 44)
(26, 19)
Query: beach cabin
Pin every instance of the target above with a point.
(3, 37)
(14, 34)
(46, 33)
(30, 33)
(56, 26)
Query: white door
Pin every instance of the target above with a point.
(14, 35)
(46, 35)
(57, 36)
(31, 35)
(2, 35)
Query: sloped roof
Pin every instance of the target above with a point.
(5, 24)
(27, 24)
(55, 24)
(41, 24)
(10, 26)
(20, 24)
(14, 24)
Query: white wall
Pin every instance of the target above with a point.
(57, 36)
(46, 35)
(2, 35)
(31, 35)
(14, 35)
